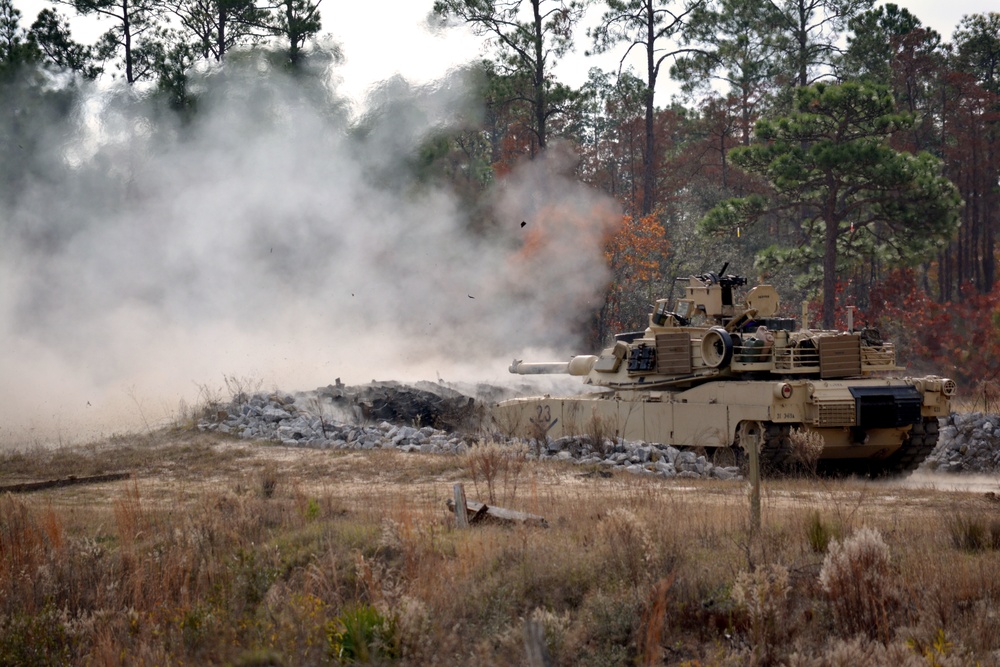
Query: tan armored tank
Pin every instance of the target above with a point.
(711, 374)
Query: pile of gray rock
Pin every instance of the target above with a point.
(968, 443)
(319, 421)
(300, 421)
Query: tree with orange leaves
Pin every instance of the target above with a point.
(959, 338)
(636, 252)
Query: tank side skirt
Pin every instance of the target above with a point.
(709, 416)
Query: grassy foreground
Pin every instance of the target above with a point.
(231, 553)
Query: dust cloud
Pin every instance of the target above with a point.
(951, 482)
(278, 237)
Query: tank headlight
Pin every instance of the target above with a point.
(949, 388)
(783, 390)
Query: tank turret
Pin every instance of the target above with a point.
(708, 336)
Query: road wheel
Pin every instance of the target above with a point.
(728, 457)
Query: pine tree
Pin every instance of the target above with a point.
(829, 165)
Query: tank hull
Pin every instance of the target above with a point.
(859, 420)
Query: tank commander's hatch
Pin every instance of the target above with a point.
(685, 308)
(764, 299)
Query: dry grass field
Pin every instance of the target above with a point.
(222, 552)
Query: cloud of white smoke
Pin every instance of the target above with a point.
(273, 238)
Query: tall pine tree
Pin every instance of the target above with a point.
(829, 164)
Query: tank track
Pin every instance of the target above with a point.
(776, 450)
(917, 446)
(776, 455)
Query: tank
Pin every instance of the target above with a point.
(719, 375)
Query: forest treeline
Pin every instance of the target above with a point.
(845, 152)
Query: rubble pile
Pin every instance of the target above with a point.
(968, 443)
(437, 419)
(340, 417)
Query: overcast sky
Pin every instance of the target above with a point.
(395, 40)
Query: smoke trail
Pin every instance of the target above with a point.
(276, 238)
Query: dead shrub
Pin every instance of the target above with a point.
(544, 628)
(861, 585)
(29, 545)
(974, 532)
(763, 594)
(130, 516)
(241, 388)
(203, 575)
(630, 548)
(858, 651)
(22, 540)
(209, 405)
(599, 432)
(498, 467)
(986, 396)
(268, 479)
(862, 651)
(807, 446)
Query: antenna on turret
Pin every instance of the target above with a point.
(723, 271)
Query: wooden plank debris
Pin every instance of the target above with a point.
(72, 480)
(480, 513)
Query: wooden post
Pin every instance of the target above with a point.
(751, 435)
(461, 516)
(754, 452)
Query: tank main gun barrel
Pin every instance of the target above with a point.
(519, 367)
(579, 365)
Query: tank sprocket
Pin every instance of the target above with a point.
(917, 446)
